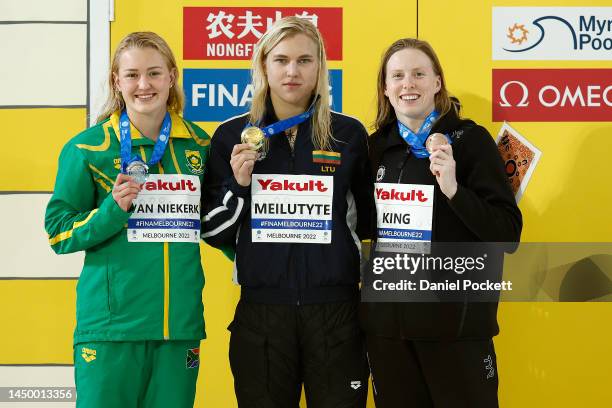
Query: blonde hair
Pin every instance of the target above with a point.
(285, 28)
(141, 39)
(385, 113)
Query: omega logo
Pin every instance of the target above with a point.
(550, 95)
(502, 94)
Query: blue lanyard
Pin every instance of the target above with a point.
(126, 141)
(416, 141)
(285, 124)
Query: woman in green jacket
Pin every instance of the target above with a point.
(127, 192)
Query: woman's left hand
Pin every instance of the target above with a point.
(442, 165)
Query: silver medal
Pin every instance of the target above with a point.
(138, 171)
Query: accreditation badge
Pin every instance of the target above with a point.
(404, 215)
(167, 209)
(291, 208)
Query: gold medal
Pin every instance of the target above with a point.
(254, 136)
(434, 140)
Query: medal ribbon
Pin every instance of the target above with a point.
(416, 141)
(285, 124)
(126, 141)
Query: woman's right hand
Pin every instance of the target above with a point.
(125, 190)
(242, 162)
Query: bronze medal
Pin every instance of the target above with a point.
(434, 140)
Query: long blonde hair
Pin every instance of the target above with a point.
(141, 39)
(282, 29)
(385, 113)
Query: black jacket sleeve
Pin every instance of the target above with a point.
(362, 187)
(484, 201)
(224, 201)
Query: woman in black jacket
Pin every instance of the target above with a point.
(294, 205)
(434, 354)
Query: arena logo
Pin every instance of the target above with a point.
(214, 95)
(552, 95)
(544, 33)
(230, 33)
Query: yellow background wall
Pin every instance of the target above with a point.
(549, 354)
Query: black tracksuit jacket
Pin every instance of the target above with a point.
(483, 209)
(296, 273)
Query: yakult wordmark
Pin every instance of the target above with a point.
(286, 185)
(159, 185)
(393, 194)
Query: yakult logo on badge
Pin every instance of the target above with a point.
(230, 33)
(286, 185)
(393, 194)
(159, 185)
(214, 95)
(545, 33)
(552, 95)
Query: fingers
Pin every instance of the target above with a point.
(238, 160)
(435, 169)
(124, 181)
(442, 161)
(245, 156)
(122, 178)
(126, 185)
(243, 161)
(247, 167)
(441, 153)
(130, 197)
(242, 148)
(134, 190)
(442, 150)
(125, 191)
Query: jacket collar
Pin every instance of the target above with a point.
(270, 117)
(388, 137)
(179, 130)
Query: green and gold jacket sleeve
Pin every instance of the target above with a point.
(76, 218)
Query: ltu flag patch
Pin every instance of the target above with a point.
(193, 358)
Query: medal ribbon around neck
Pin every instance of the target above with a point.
(285, 124)
(126, 142)
(416, 141)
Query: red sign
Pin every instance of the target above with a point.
(230, 33)
(552, 95)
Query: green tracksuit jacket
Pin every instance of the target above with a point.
(127, 291)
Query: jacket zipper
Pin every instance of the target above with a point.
(402, 165)
(291, 171)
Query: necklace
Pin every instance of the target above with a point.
(291, 135)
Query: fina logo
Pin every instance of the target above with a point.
(214, 95)
(518, 33)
